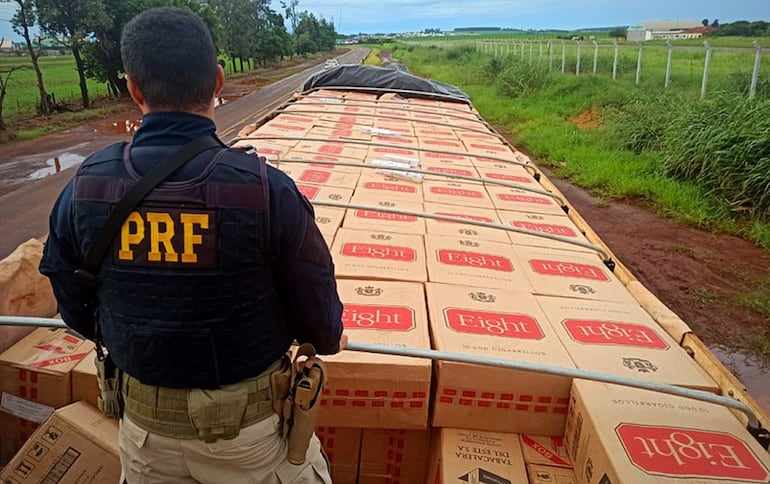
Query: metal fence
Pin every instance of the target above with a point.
(666, 66)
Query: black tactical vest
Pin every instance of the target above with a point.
(187, 296)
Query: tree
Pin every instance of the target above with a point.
(240, 18)
(715, 23)
(70, 22)
(22, 21)
(5, 76)
(705, 22)
(290, 11)
(619, 33)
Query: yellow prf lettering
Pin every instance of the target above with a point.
(155, 219)
(129, 238)
(191, 239)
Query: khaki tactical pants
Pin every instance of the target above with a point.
(257, 455)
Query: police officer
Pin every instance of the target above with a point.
(210, 279)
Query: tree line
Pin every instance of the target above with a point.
(91, 29)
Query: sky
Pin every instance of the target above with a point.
(386, 16)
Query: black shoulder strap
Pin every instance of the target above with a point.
(86, 275)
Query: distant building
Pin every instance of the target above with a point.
(6, 45)
(665, 29)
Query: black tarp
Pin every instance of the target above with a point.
(395, 76)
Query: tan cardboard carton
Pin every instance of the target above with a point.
(299, 119)
(332, 194)
(323, 161)
(497, 163)
(335, 124)
(391, 110)
(23, 290)
(379, 255)
(475, 136)
(465, 231)
(328, 220)
(543, 450)
(470, 123)
(473, 456)
(426, 130)
(360, 219)
(76, 444)
(347, 149)
(625, 435)
(84, 385)
(441, 144)
(456, 193)
(380, 152)
(505, 198)
(445, 158)
(483, 148)
(339, 133)
(270, 150)
(379, 391)
(540, 474)
(347, 118)
(476, 262)
(443, 172)
(396, 141)
(302, 173)
(270, 136)
(343, 448)
(498, 324)
(564, 273)
(380, 187)
(623, 340)
(559, 225)
(510, 174)
(361, 97)
(421, 116)
(289, 128)
(34, 380)
(356, 108)
(389, 456)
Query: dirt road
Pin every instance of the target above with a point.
(27, 193)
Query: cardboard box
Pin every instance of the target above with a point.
(270, 150)
(383, 221)
(302, 173)
(324, 161)
(428, 117)
(497, 163)
(379, 255)
(380, 187)
(626, 435)
(343, 449)
(505, 198)
(396, 141)
(392, 110)
(475, 136)
(456, 193)
(472, 456)
(623, 340)
(84, 385)
(76, 444)
(379, 391)
(476, 262)
(347, 118)
(539, 474)
(441, 144)
(380, 152)
(463, 230)
(339, 133)
(564, 273)
(441, 170)
(426, 130)
(543, 450)
(499, 324)
(298, 119)
(35, 379)
(559, 225)
(394, 456)
(286, 127)
(445, 158)
(510, 174)
(484, 148)
(318, 192)
(356, 108)
(328, 220)
(346, 149)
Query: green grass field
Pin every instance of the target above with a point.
(59, 76)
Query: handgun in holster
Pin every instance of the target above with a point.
(300, 410)
(108, 379)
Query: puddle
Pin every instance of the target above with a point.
(751, 371)
(66, 160)
(128, 126)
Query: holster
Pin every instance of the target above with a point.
(280, 387)
(302, 404)
(108, 379)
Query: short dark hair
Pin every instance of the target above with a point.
(170, 55)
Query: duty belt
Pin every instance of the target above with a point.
(166, 411)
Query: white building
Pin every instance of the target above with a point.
(663, 29)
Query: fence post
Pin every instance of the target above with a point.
(639, 65)
(563, 55)
(596, 55)
(706, 65)
(755, 74)
(550, 55)
(615, 61)
(668, 63)
(577, 66)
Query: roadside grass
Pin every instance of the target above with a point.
(600, 37)
(373, 59)
(758, 300)
(599, 159)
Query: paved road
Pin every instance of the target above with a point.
(24, 211)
